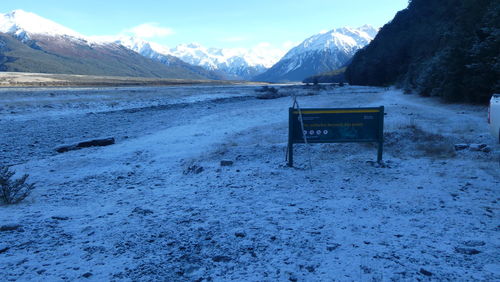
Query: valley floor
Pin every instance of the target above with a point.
(158, 205)
(25, 79)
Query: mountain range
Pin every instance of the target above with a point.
(238, 63)
(30, 43)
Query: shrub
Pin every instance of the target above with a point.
(267, 89)
(269, 93)
(13, 190)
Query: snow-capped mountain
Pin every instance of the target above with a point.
(319, 53)
(23, 24)
(235, 63)
(145, 48)
(160, 54)
(31, 43)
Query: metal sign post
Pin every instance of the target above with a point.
(337, 125)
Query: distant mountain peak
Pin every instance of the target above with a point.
(322, 52)
(346, 39)
(23, 24)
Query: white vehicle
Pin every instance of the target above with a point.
(494, 116)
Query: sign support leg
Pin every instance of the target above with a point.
(290, 154)
(380, 135)
(380, 150)
(290, 143)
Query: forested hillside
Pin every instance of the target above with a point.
(445, 48)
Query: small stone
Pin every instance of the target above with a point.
(467, 251)
(366, 269)
(59, 217)
(142, 211)
(87, 275)
(226, 163)
(310, 268)
(10, 227)
(332, 247)
(474, 243)
(240, 234)
(486, 149)
(425, 272)
(195, 169)
(221, 259)
(477, 147)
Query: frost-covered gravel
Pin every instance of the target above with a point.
(138, 210)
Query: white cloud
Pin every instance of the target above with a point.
(150, 30)
(268, 54)
(289, 44)
(263, 45)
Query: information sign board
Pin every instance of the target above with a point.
(336, 125)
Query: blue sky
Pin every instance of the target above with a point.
(216, 23)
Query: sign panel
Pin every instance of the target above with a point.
(335, 126)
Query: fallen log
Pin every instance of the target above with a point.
(86, 144)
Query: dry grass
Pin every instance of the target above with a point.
(412, 140)
(19, 79)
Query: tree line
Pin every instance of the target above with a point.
(445, 48)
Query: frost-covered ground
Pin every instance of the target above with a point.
(158, 205)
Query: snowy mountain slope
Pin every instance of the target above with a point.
(231, 63)
(23, 24)
(236, 62)
(31, 43)
(162, 54)
(320, 53)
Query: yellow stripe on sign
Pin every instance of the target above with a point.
(337, 112)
